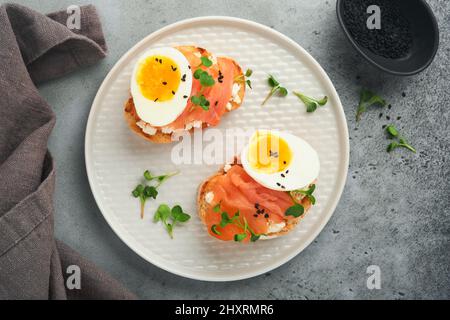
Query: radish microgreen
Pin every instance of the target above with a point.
(244, 78)
(216, 208)
(367, 99)
(206, 80)
(307, 192)
(144, 191)
(237, 220)
(401, 142)
(206, 61)
(311, 103)
(214, 230)
(296, 210)
(169, 217)
(276, 88)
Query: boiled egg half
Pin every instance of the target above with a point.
(161, 85)
(280, 161)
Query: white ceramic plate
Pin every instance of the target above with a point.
(116, 157)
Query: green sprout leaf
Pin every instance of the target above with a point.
(311, 103)
(276, 88)
(235, 219)
(392, 130)
(401, 143)
(150, 192)
(198, 73)
(216, 208)
(272, 82)
(169, 217)
(179, 215)
(367, 99)
(296, 210)
(200, 101)
(214, 230)
(240, 236)
(308, 192)
(195, 100)
(162, 213)
(225, 220)
(144, 191)
(147, 175)
(138, 191)
(206, 62)
(392, 146)
(282, 92)
(242, 78)
(206, 80)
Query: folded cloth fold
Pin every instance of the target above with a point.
(35, 48)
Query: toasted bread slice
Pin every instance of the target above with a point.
(203, 206)
(132, 118)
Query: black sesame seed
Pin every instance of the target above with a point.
(403, 94)
(173, 92)
(284, 162)
(160, 60)
(189, 67)
(255, 215)
(384, 126)
(389, 106)
(283, 187)
(278, 184)
(185, 97)
(215, 103)
(380, 115)
(266, 215)
(164, 83)
(394, 40)
(256, 205)
(282, 175)
(156, 59)
(173, 68)
(398, 118)
(183, 78)
(287, 171)
(155, 100)
(388, 118)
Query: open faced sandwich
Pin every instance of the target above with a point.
(174, 90)
(265, 195)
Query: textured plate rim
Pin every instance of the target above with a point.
(341, 123)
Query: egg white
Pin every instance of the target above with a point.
(161, 113)
(302, 170)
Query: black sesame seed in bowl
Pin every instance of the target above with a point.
(393, 40)
(406, 41)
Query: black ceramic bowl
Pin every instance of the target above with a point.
(425, 35)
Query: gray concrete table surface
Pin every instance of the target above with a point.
(394, 211)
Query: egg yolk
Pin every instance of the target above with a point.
(268, 153)
(158, 78)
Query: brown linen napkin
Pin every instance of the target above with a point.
(35, 48)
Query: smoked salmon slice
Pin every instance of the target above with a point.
(236, 192)
(218, 95)
(225, 95)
